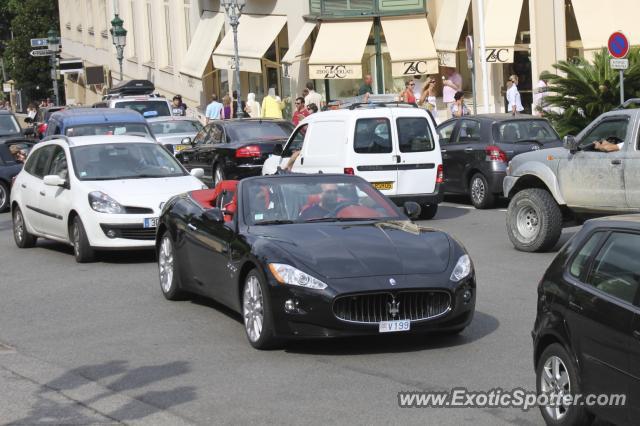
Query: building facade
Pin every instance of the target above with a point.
(186, 46)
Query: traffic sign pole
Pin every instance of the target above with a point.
(621, 87)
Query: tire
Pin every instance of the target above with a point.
(4, 197)
(479, 193)
(82, 250)
(534, 220)
(256, 312)
(557, 368)
(428, 211)
(169, 283)
(21, 236)
(218, 175)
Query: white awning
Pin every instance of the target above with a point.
(597, 21)
(296, 48)
(500, 27)
(410, 46)
(338, 50)
(202, 44)
(255, 34)
(451, 19)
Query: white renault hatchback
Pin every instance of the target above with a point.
(96, 192)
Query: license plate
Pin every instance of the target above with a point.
(383, 186)
(181, 147)
(151, 222)
(394, 326)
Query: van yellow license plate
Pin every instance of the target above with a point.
(383, 186)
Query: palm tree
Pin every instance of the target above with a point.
(584, 90)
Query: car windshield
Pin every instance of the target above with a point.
(524, 131)
(8, 125)
(175, 127)
(148, 109)
(254, 130)
(110, 129)
(306, 199)
(108, 161)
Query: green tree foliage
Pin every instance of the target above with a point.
(583, 90)
(30, 19)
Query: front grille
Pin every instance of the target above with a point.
(376, 307)
(138, 210)
(130, 232)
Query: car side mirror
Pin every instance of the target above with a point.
(570, 143)
(277, 150)
(54, 180)
(199, 173)
(186, 141)
(412, 209)
(214, 215)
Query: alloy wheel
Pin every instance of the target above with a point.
(478, 190)
(555, 381)
(528, 223)
(75, 235)
(165, 264)
(18, 226)
(253, 308)
(3, 195)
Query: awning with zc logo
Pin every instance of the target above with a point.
(410, 45)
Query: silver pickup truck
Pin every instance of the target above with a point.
(551, 188)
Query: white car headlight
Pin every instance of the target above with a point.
(286, 274)
(463, 268)
(101, 202)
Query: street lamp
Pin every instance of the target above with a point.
(233, 8)
(54, 45)
(119, 38)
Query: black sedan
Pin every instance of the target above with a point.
(314, 256)
(10, 166)
(234, 149)
(586, 337)
(476, 151)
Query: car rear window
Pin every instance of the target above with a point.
(414, 134)
(524, 131)
(148, 109)
(373, 136)
(258, 130)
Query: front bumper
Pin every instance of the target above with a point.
(128, 228)
(507, 184)
(315, 317)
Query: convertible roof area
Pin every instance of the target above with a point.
(206, 198)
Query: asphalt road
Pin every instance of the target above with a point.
(98, 343)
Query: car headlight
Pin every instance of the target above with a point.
(286, 274)
(101, 202)
(463, 268)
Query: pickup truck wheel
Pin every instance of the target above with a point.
(481, 195)
(534, 220)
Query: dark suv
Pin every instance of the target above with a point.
(476, 151)
(586, 337)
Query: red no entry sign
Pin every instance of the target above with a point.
(618, 45)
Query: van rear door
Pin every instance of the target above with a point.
(373, 155)
(418, 153)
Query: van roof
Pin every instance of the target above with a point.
(345, 114)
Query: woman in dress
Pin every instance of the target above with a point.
(227, 113)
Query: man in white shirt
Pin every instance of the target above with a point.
(451, 84)
(313, 97)
(214, 109)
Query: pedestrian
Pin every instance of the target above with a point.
(235, 106)
(271, 106)
(365, 88)
(418, 85)
(214, 109)
(428, 96)
(43, 104)
(32, 111)
(407, 95)
(305, 92)
(49, 102)
(301, 111)
(451, 84)
(252, 107)
(539, 94)
(313, 97)
(312, 108)
(513, 96)
(458, 107)
(227, 112)
(177, 107)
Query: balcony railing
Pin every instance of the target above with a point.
(351, 8)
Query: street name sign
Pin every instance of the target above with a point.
(39, 42)
(42, 52)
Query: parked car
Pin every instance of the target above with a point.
(96, 192)
(476, 151)
(300, 256)
(396, 149)
(101, 121)
(234, 149)
(586, 334)
(9, 126)
(175, 133)
(42, 118)
(10, 166)
(564, 186)
(138, 96)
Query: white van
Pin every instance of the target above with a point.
(395, 148)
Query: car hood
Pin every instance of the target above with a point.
(542, 155)
(346, 250)
(146, 192)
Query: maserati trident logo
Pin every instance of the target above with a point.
(394, 307)
(392, 281)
